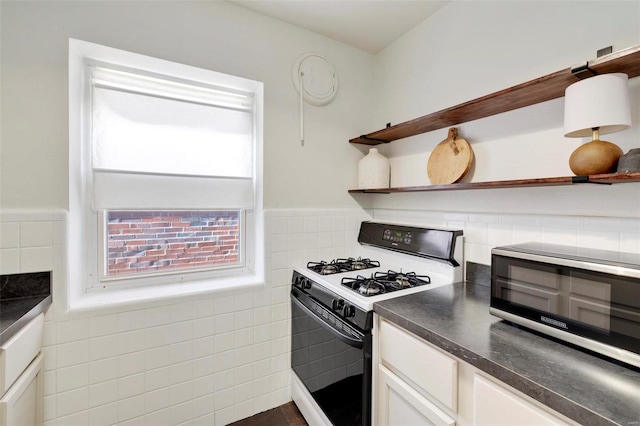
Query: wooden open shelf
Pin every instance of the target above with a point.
(607, 179)
(541, 89)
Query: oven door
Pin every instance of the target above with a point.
(332, 359)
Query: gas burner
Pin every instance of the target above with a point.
(358, 264)
(329, 269)
(342, 265)
(400, 280)
(324, 268)
(384, 282)
(370, 288)
(363, 285)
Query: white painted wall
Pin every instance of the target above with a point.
(470, 49)
(215, 35)
(182, 361)
(226, 358)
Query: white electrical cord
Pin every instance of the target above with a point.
(301, 90)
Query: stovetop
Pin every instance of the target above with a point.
(390, 261)
(333, 283)
(341, 283)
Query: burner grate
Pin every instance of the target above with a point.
(342, 265)
(384, 282)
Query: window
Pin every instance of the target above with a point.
(165, 172)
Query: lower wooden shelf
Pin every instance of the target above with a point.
(607, 179)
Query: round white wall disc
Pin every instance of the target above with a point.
(319, 79)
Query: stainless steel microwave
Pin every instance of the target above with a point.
(587, 297)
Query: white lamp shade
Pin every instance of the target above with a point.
(601, 101)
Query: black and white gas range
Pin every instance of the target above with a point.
(332, 313)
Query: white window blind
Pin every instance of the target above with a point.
(162, 143)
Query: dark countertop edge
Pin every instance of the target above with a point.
(14, 328)
(555, 401)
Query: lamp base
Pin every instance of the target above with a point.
(594, 158)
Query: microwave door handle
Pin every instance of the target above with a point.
(358, 344)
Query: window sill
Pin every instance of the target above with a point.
(116, 300)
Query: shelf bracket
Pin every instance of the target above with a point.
(583, 71)
(585, 179)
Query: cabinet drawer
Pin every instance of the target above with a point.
(22, 405)
(496, 405)
(433, 372)
(18, 352)
(400, 404)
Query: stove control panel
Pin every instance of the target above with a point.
(396, 236)
(436, 244)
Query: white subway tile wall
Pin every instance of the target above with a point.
(483, 231)
(219, 359)
(209, 361)
(28, 240)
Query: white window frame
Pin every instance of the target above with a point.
(85, 290)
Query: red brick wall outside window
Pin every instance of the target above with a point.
(159, 241)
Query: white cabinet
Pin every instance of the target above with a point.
(416, 383)
(496, 405)
(400, 404)
(21, 398)
(22, 405)
(429, 370)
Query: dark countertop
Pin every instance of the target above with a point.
(22, 298)
(582, 386)
(16, 313)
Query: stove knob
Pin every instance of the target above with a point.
(337, 304)
(306, 284)
(349, 311)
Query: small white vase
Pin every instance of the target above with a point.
(373, 171)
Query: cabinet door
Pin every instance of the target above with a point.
(22, 405)
(495, 405)
(19, 351)
(428, 368)
(400, 404)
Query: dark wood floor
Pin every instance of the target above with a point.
(284, 415)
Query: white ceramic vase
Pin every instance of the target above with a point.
(373, 171)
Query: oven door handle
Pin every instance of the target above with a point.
(342, 337)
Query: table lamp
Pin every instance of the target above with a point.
(594, 106)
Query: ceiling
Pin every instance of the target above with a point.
(369, 25)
